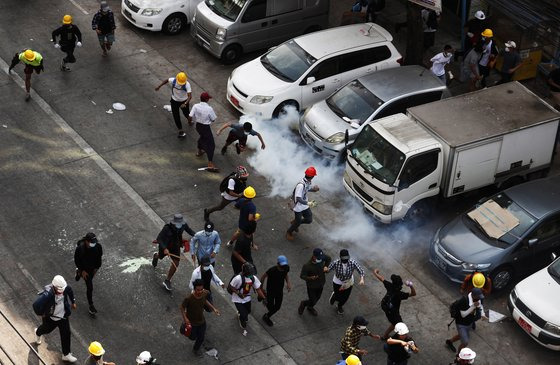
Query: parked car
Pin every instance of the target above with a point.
(377, 95)
(463, 245)
(533, 304)
(169, 16)
(228, 28)
(306, 69)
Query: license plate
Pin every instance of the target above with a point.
(440, 263)
(523, 324)
(234, 100)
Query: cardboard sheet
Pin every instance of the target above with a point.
(495, 220)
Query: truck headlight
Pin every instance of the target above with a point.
(221, 34)
(151, 11)
(382, 208)
(471, 267)
(552, 328)
(336, 138)
(259, 99)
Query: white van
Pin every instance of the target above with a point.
(169, 16)
(309, 68)
(227, 28)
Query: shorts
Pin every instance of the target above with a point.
(464, 332)
(232, 137)
(393, 317)
(28, 70)
(173, 250)
(106, 38)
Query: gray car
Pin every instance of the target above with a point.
(463, 245)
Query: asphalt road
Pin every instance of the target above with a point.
(67, 167)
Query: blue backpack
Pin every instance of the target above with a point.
(41, 304)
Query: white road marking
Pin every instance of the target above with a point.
(132, 265)
(79, 7)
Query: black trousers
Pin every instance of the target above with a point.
(63, 325)
(223, 203)
(69, 50)
(175, 107)
(314, 294)
(303, 217)
(89, 287)
(206, 140)
(273, 302)
(197, 334)
(341, 296)
(244, 310)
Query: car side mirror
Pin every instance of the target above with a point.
(532, 242)
(553, 256)
(310, 80)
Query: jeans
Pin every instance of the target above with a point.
(304, 217)
(89, 286)
(244, 310)
(341, 296)
(197, 334)
(63, 325)
(273, 302)
(314, 294)
(175, 107)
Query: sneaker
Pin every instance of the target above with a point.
(92, 309)
(244, 333)
(450, 345)
(38, 339)
(167, 284)
(331, 299)
(301, 308)
(339, 311)
(289, 236)
(312, 311)
(224, 150)
(69, 358)
(181, 134)
(155, 259)
(27, 97)
(78, 276)
(197, 353)
(267, 320)
(237, 148)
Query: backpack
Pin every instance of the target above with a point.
(40, 305)
(454, 311)
(387, 303)
(225, 181)
(230, 287)
(292, 202)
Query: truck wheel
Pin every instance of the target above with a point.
(231, 54)
(420, 212)
(174, 24)
(281, 109)
(501, 277)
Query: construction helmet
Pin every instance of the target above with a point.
(487, 33)
(67, 19)
(353, 360)
(96, 349)
(478, 280)
(249, 192)
(181, 78)
(467, 354)
(29, 55)
(310, 171)
(143, 358)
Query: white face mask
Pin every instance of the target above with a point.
(178, 226)
(92, 244)
(361, 328)
(507, 49)
(205, 268)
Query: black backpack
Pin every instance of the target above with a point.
(454, 310)
(225, 181)
(387, 303)
(230, 287)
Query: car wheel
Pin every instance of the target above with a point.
(501, 277)
(281, 109)
(231, 54)
(174, 24)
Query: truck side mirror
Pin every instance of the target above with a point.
(532, 242)
(553, 256)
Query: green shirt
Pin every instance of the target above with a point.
(35, 62)
(195, 308)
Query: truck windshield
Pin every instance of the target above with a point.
(354, 102)
(228, 9)
(377, 156)
(288, 61)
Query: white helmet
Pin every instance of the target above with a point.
(143, 358)
(467, 354)
(401, 329)
(480, 15)
(59, 283)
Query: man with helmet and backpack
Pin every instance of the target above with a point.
(54, 305)
(231, 187)
(301, 206)
(465, 312)
(181, 95)
(240, 288)
(70, 37)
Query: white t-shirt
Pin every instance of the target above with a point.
(438, 63)
(202, 113)
(246, 290)
(179, 92)
(301, 192)
(486, 51)
(58, 313)
(230, 186)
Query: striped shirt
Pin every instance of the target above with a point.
(343, 272)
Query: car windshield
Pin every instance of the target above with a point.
(228, 9)
(288, 61)
(554, 270)
(377, 156)
(526, 220)
(354, 102)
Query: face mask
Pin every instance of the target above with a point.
(91, 244)
(178, 226)
(249, 277)
(361, 328)
(345, 261)
(507, 49)
(318, 261)
(205, 268)
(247, 133)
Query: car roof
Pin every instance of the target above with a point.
(538, 197)
(326, 42)
(390, 83)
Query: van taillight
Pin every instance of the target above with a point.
(399, 61)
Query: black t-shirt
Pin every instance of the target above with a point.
(398, 353)
(243, 247)
(276, 278)
(396, 295)
(463, 305)
(555, 76)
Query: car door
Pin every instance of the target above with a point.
(542, 241)
(253, 31)
(326, 81)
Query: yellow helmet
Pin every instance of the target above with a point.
(96, 349)
(478, 280)
(353, 360)
(67, 19)
(29, 55)
(181, 78)
(249, 192)
(487, 33)
(257, 216)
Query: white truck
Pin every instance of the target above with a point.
(498, 135)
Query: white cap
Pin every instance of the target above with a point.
(510, 44)
(144, 357)
(480, 15)
(401, 329)
(59, 282)
(467, 354)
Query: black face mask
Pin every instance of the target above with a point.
(345, 261)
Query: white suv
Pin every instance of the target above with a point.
(306, 69)
(169, 16)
